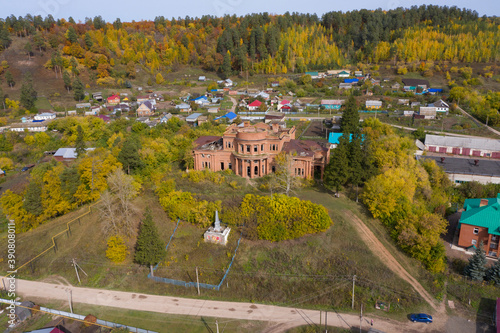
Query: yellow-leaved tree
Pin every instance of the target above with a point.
(117, 250)
(94, 170)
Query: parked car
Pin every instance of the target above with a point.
(421, 318)
(26, 168)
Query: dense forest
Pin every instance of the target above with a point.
(258, 43)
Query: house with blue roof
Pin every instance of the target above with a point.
(351, 80)
(480, 222)
(333, 139)
(230, 116)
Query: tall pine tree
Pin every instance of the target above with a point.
(28, 93)
(149, 249)
(78, 90)
(476, 269)
(337, 170)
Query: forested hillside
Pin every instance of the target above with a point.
(259, 43)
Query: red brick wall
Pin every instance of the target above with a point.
(467, 235)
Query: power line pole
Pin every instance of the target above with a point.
(70, 294)
(353, 283)
(217, 325)
(361, 318)
(326, 321)
(197, 281)
(76, 270)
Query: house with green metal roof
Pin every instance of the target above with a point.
(480, 222)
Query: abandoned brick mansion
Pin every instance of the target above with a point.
(249, 151)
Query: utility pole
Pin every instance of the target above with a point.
(353, 283)
(197, 281)
(70, 294)
(217, 325)
(360, 318)
(326, 321)
(76, 270)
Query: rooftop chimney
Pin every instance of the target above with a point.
(442, 159)
(476, 162)
(484, 202)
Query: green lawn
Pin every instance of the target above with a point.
(43, 103)
(314, 271)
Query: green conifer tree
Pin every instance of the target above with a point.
(80, 141)
(28, 93)
(78, 90)
(129, 155)
(149, 249)
(337, 170)
(493, 273)
(476, 269)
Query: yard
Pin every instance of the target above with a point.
(312, 271)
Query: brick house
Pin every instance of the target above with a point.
(250, 150)
(480, 221)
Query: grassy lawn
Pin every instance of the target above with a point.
(314, 271)
(226, 105)
(43, 103)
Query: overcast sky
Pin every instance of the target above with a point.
(128, 10)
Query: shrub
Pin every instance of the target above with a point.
(117, 250)
(281, 217)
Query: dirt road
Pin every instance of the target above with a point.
(279, 318)
(378, 248)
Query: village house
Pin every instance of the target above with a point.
(427, 112)
(67, 154)
(255, 105)
(344, 85)
(39, 126)
(441, 106)
(146, 109)
(332, 104)
(373, 105)
(183, 107)
(113, 100)
(480, 222)
(249, 151)
(45, 116)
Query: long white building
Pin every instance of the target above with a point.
(478, 147)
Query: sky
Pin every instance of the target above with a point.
(128, 10)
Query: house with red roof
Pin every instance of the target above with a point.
(114, 100)
(255, 105)
(283, 103)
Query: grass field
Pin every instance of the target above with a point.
(313, 271)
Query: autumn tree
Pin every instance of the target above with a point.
(150, 249)
(117, 249)
(29, 49)
(116, 204)
(9, 78)
(159, 78)
(284, 176)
